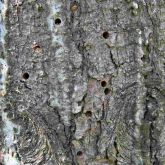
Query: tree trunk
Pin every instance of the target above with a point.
(82, 83)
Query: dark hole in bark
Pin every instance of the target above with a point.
(103, 83)
(88, 114)
(37, 47)
(79, 153)
(26, 76)
(105, 35)
(106, 91)
(58, 21)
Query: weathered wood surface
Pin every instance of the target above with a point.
(82, 82)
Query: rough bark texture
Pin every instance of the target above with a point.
(82, 83)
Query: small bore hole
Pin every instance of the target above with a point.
(58, 21)
(103, 83)
(106, 91)
(105, 35)
(88, 114)
(25, 76)
(37, 47)
(79, 153)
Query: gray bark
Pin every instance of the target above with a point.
(82, 83)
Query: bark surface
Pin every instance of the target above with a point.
(82, 82)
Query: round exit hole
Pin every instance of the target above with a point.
(57, 21)
(106, 35)
(88, 114)
(106, 91)
(79, 153)
(103, 83)
(25, 76)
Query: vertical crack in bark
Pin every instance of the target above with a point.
(150, 113)
(113, 60)
(147, 127)
(117, 152)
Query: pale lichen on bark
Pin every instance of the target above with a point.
(8, 128)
